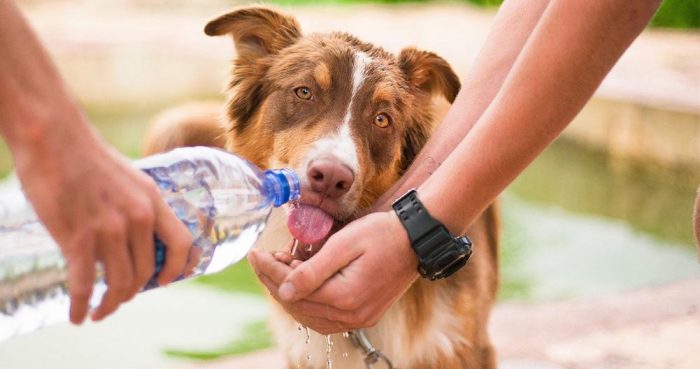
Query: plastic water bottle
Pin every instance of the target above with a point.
(222, 199)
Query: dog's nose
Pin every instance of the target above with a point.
(329, 177)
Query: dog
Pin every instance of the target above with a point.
(350, 118)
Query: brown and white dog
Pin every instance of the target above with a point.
(349, 117)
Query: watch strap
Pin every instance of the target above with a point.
(415, 217)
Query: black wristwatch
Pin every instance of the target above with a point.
(440, 254)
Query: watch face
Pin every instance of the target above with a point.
(454, 256)
(448, 260)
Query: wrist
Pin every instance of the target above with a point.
(440, 207)
(440, 254)
(55, 147)
(404, 250)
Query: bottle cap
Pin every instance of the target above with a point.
(284, 185)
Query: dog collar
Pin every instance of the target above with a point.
(372, 355)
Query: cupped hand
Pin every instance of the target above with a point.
(351, 282)
(100, 209)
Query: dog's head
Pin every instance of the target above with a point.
(348, 116)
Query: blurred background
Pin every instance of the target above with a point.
(598, 264)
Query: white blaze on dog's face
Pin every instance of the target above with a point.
(349, 117)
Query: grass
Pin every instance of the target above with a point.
(256, 337)
(238, 278)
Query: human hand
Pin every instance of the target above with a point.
(100, 209)
(351, 282)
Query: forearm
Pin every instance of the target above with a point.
(33, 97)
(571, 50)
(511, 28)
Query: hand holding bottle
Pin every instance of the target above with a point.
(100, 209)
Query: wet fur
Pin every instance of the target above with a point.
(435, 324)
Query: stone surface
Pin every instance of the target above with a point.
(654, 328)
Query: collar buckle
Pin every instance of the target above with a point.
(372, 355)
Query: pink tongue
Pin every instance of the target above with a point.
(309, 224)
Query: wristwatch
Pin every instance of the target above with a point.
(440, 254)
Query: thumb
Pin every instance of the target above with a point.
(310, 275)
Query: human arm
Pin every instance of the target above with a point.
(93, 203)
(568, 53)
(510, 30)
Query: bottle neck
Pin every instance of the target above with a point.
(282, 186)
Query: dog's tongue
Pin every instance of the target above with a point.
(309, 224)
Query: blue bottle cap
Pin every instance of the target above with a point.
(284, 185)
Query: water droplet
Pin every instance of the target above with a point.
(346, 335)
(345, 354)
(299, 327)
(308, 357)
(295, 243)
(309, 248)
(329, 346)
(308, 335)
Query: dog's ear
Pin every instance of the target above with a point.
(256, 31)
(429, 72)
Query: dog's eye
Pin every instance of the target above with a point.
(303, 93)
(382, 120)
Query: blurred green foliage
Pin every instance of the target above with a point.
(256, 337)
(678, 14)
(236, 278)
(485, 2)
(672, 14)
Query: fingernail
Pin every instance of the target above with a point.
(252, 254)
(287, 291)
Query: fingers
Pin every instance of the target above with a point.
(316, 322)
(265, 264)
(284, 257)
(313, 273)
(177, 240)
(141, 246)
(331, 308)
(119, 273)
(193, 260)
(81, 276)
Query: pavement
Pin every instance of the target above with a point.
(653, 328)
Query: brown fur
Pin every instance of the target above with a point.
(193, 124)
(435, 324)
